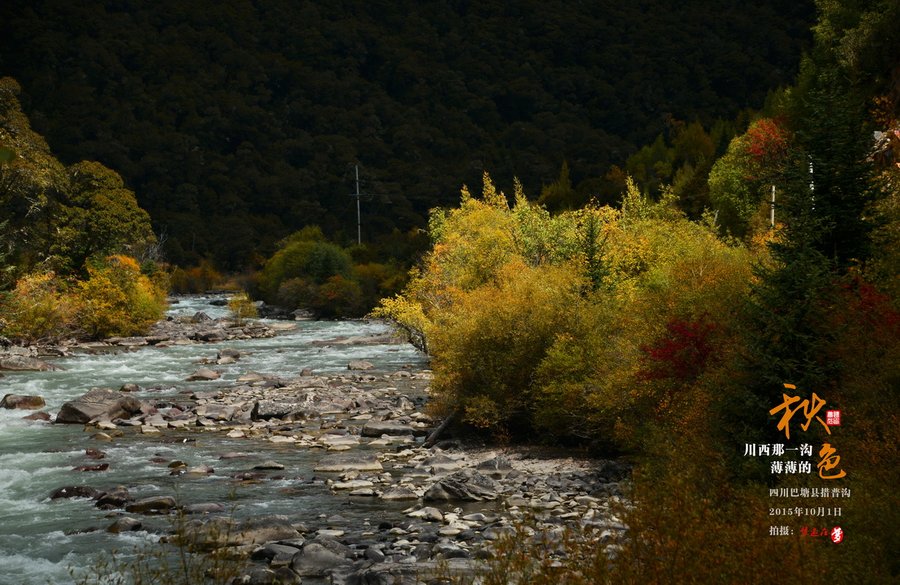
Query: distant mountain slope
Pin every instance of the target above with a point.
(237, 122)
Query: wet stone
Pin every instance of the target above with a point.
(40, 416)
(275, 553)
(343, 462)
(124, 524)
(152, 505)
(317, 561)
(22, 402)
(77, 491)
(114, 498)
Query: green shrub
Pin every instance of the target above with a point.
(338, 297)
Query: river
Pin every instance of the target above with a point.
(43, 540)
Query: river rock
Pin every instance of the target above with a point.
(203, 374)
(127, 341)
(428, 513)
(264, 576)
(354, 461)
(98, 403)
(441, 463)
(219, 412)
(74, 491)
(152, 505)
(466, 484)
(263, 529)
(211, 335)
(124, 524)
(98, 467)
(449, 550)
(383, 427)
(22, 402)
(38, 416)
(399, 493)
(276, 554)
(20, 363)
(269, 465)
(413, 573)
(253, 378)
(360, 365)
(114, 498)
(317, 561)
(228, 353)
(266, 409)
(497, 467)
(206, 508)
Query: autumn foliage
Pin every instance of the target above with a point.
(539, 323)
(116, 298)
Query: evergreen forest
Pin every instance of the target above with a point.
(237, 123)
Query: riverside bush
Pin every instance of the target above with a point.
(241, 307)
(37, 308)
(486, 350)
(309, 272)
(117, 299)
(541, 322)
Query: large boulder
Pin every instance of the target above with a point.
(20, 363)
(98, 404)
(22, 402)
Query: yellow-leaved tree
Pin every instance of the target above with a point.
(117, 299)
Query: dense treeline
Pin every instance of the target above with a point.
(680, 342)
(237, 123)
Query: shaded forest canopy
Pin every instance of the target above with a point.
(239, 122)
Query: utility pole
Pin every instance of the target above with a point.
(358, 215)
(772, 209)
(359, 196)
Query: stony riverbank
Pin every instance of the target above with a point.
(367, 429)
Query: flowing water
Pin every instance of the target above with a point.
(42, 540)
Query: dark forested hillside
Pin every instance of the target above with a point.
(238, 122)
